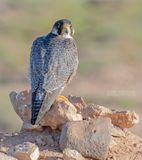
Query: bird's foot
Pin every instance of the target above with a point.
(61, 98)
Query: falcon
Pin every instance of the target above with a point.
(53, 63)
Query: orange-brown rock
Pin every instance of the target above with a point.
(122, 119)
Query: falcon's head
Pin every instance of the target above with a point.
(64, 28)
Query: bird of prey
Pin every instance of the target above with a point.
(53, 63)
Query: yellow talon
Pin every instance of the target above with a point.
(62, 98)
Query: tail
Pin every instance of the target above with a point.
(47, 103)
(37, 100)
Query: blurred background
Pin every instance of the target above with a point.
(109, 39)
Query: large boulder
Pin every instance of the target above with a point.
(61, 112)
(91, 138)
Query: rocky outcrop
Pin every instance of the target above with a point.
(71, 109)
(72, 130)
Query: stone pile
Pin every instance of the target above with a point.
(71, 130)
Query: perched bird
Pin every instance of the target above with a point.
(53, 63)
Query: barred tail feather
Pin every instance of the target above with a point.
(48, 101)
(36, 105)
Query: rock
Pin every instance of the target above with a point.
(25, 151)
(128, 147)
(94, 111)
(3, 149)
(78, 102)
(29, 127)
(87, 132)
(91, 138)
(71, 109)
(69, 154)
(6, 157)
(21, 104)
(45, 140)
(117, 132)
(60, 113)
(122, 119)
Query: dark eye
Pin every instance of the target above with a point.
(58, 25)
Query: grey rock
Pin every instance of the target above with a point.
(44, 140)
(91, 138)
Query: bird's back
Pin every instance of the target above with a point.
(53, 60)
